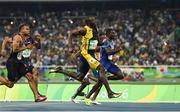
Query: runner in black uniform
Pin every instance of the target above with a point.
(18, 64)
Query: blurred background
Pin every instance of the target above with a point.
(149, 30)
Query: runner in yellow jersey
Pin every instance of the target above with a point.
(89, 41)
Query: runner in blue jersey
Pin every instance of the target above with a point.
(107, 50)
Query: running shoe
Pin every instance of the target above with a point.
(87, 101)
(74, 101)
(40, 99)
(95, 102)
(55, 70)
(114, 95)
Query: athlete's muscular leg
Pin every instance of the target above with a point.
(32, 84)
(72, 74)
(84, 83)
(94, 88)
(6, 82)
(116, 76)
(104, 80)
(96, 93)
(35, 76)
(81, 77)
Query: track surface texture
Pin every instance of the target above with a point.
(105, 106)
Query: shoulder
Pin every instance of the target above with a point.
(8, 39)
(87, 28)
(82, 29)
(17, 38)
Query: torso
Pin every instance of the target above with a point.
(25, 54)
(89, 41)
(105, 59)
(12, 54)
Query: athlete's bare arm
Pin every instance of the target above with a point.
(37, 42)
(6, 41)
(17, 47)
(97, 49)
(75, 32)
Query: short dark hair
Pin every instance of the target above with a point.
(89, 19)
(22, 25)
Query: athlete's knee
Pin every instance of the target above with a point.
(85, 81)
(120, 75)
(102, 77)
(101, 69)
(102, 73)
(10, 84)
(80, 77)
(100, 85)
(35, 76)
(29, 76)
(35, 73)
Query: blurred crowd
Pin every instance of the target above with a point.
(147, 37)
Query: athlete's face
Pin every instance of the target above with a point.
(111, 35)
(102, 38)
(92, 22)
(25, 30)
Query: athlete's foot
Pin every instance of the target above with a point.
(87, 101)
(95, 102)
(117, 93)
(10, 85)
(55, 70)
(114, 95)
(40, 99)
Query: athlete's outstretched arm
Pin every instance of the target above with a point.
(37, 42)
(6, 41)
(75, 32)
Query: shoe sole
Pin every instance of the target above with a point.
(53, 71)
(75, 102)
(116, 96)
(41, 100)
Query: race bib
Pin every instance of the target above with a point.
(93, 44)
(19, 56)
(110, 57)
(26, 53)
